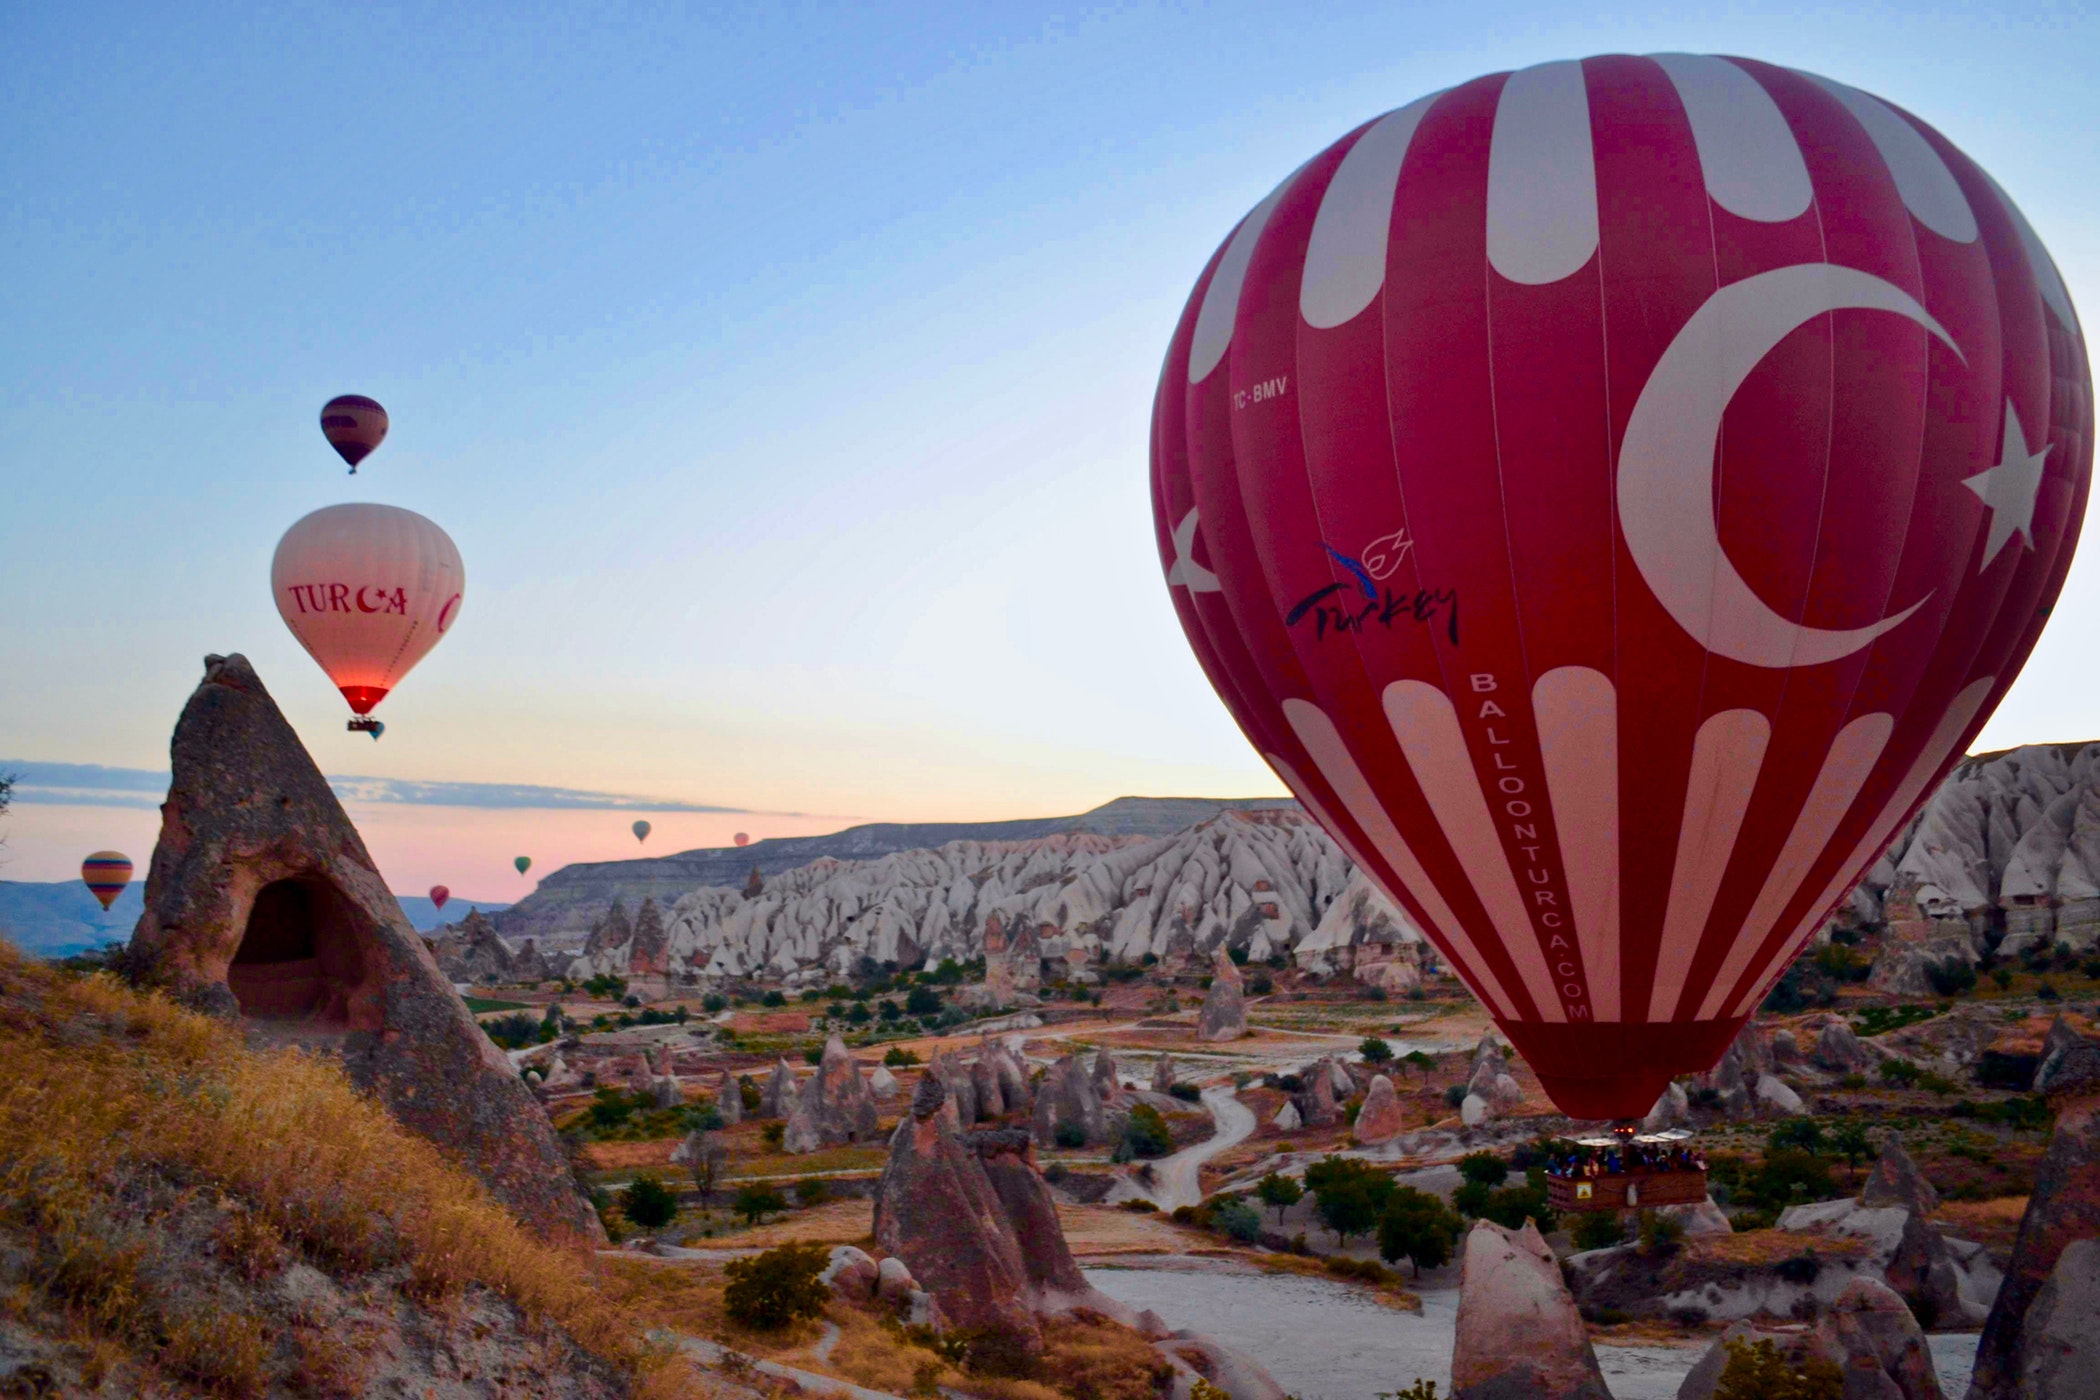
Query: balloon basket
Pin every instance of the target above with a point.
(1629, 1170)
(365, 724)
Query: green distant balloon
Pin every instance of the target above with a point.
(524, 863)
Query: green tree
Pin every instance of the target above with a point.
(705, 1165)
(1417, 1227)
(756, 1200)
(771, 1290)
(1237, 1219)
(922, 1001)
(1348, 1195)
(1803, 1133)
(1421, 1060)
(1376, 1051)
(649, 1203)
(1849, 1140)
(1279, 1193)
(813, 1190)
(1759, 1371)
(897, 1057)
(1483, 1167)
(1511, 1206)
(1598, 1229)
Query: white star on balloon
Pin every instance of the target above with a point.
(2008, 489)
(1187, 573)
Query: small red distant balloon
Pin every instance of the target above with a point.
(743, 838)
(354, 425)
(439, 894)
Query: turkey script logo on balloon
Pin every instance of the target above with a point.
(1610, 495)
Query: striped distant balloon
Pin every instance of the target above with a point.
(354, 425)
(1610, 495)
(106, 873)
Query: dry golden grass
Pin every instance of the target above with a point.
(855, 1158)
(838, 1222)
(1771, 1246)
(115, 1101)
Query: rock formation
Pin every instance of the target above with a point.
(1839, 1050)
(2069, 1064)
(2060, 1339)
(1163, 1075)
(1288, 1119)
(1381, 1119)
(1067, 1097)
(777, 1099)
(1225, 1004)
(882, 1084)
(1896, 1181)
(1104, 1073)
(263, 905)
(649, 951)
(1008, 1158)
(1867, 1333)
(1316, 1104)
(834, 1108)
(729, 1099)
(984, 1083)
(473, 952)
(936, 1209)
(2064, 1206)
(1519, 1333)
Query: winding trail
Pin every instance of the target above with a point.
(1178, 1180)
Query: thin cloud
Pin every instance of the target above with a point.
(94, 785)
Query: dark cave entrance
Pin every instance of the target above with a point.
(303, 957)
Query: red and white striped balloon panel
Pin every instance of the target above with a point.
(1610, 495)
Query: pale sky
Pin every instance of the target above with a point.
(782, 374)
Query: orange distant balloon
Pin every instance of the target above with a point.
(743, 838)
(438, 895)
(353, 425)
(106, 873)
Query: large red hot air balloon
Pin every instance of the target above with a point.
(354, 425)
(106, 873)
(368, 590)
(1611, 495)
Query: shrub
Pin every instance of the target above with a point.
(2045, 990)
(1511, 1206)
(1483, 1167)
(1187, 1093)
(1236, 1218)
(749, 1094)
(922, 1001)
(713, 1003)
(1418, 1227)
(512, 1032)
(649, 1203)
(1600, 1229)
(756, 1200)
(2003, 977)
(771, 1290)
(1145, 1133)
(1836, 960)
(1455, 1095)
(1659, 1233)
(1803, 1133)
(897, 1057)
(1788, 1177)
(1260, 984)
(813, 1190)
(773, 1134)
(1069, 1135)
(1375, 1050)
(1950, 976)
(813, 1055)
(1901, 1073)
(1138, 1205)
(1760, 1371)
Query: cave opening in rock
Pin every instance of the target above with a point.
(303, 957)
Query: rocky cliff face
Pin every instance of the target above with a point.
(1267, 881)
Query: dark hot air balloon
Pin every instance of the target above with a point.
(641, 831)
(1611, 495)
(368, 590)
(438, 895)
(106, 873)
(354, 425)
(524, 863)
(743, 838)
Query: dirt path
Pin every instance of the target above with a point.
(1178, 1180)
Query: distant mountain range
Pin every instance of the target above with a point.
(60, 918)
(561, 911)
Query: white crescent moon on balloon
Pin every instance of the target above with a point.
(1666, 460)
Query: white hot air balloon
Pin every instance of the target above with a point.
(368, 590)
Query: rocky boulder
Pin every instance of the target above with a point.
(850, 1272)
(2064, 1207)
(777, 1099)
(1067, 1096)
(834, 1108)
(1381, 1119)
(1008, 1158)
(473, 952)
(1896, 1181)
(1673, 1108)
(990, 1098)
(1163, 1075)
(2059, 1357)
(1839, 1050)
(882, 1084)
(936, 1209)
(1287, 1119)
(262, 905)
(1867, 1333)
(729, 1099)
(1520, 1336)
(2070, 1062)
(1104, 1073)
(1316, 1102)
(1225, 1004)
